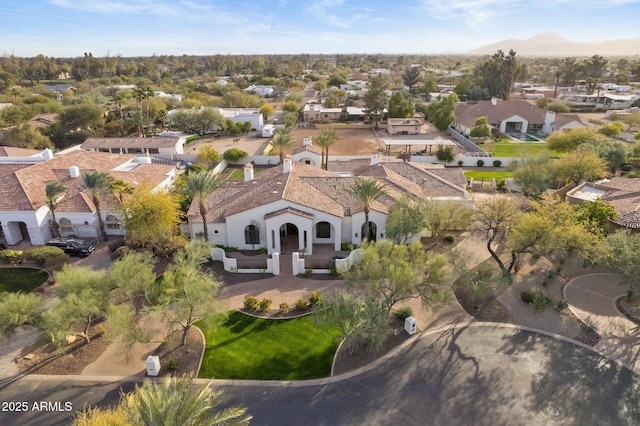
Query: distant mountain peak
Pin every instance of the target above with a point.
(554, 44)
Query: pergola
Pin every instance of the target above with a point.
(408, 143)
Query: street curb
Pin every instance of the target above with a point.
(333, 379)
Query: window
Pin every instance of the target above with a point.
(251, 235)
(112, 222)
(323, 230)
(153, 151)
(65, 225)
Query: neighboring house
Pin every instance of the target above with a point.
(621, 192)
(295, 205)
(159, 146)
(505, 116)
(24, 214)
(176, 96)
(43, 120)
(404, 126)
(316, 112)
(60, 88)
(12, 151)
(262, 91)
(565, 122)
(240, 115)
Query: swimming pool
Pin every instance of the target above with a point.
(525, 137)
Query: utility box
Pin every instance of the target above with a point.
(153, 366)
(410, 325)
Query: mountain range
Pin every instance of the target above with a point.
(553, 44)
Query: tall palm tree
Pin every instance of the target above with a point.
(367, 190)
(198, 186)
(139, 95)
(324, 140)
(120, 100)
(94, 182)
(177, 402)
(148, 94)
(119, 188)
(282, 139)
(52, 190)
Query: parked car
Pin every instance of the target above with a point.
(73, 247)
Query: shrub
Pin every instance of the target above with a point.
(527, 296)
(227, 249)
(265, 304)
(11, 257)
(480, 163)
(561, 305)
(308, 272)
(120, 251)
(626, 167)
(460, 163)
(347, 247)
(116, 244)
(314, 299)
(540, 301)
(262, 250)
(450, 238)
(501, 184)
(251, 303)
(558, 107)
(47, 257)
(497, 163)
(301, 305)
(284, 308)
(172, 364)
(234, 155)
(403, 313)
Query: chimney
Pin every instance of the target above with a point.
(376, 158)
(248, 172)
(74, 171)
(47, 154)
(287, 164)
(494, 101)
(306, 140)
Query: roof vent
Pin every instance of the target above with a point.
(74, 171)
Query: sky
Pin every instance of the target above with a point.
(69, 28)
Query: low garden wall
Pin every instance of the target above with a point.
(231, 264)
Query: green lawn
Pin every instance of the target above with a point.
(478, 174)
(21, 279)
(251, 348)
(505, 148)
(238, 174)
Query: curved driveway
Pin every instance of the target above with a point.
(482, 374)
(592, 298)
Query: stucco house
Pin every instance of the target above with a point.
(240, 115)
(160, 146)
(566, 122)
(505, 116)
(24, 214)
(297, 205)
(404, 126)
(622, 193)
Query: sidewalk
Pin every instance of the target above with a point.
(592, 298)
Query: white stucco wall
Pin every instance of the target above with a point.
(514, 119)
(380, 219)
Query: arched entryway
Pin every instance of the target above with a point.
(373, 231)
(289, 238)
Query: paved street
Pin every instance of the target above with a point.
(481, 375)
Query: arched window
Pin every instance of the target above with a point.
(65, 225)
(252, 235)
(323, 230)
(112, 222)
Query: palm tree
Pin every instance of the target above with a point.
(324, 140)
(282, 139)
(52, 190)
(367, 190)
(148, 94)
(119, 188)
(198, 186)
(169, 402)
(139, 95)
(119, 100)
(177, 402)
(94, 182)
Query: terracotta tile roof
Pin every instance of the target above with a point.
(7, 169)
(289, 210)
(12, 151)
(308, 148)
(625, 198)
(324, 191)
(43, 120)
(23, 189)
(564, 119)
(130, 142)
(466, 114)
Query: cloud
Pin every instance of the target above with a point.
(131, 7)
(337, 13)
(473, 12)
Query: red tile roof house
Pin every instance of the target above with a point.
(621, 192)
(505, 116)
(298, 205)
(24, 214)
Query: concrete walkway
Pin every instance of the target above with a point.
(592, 298)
